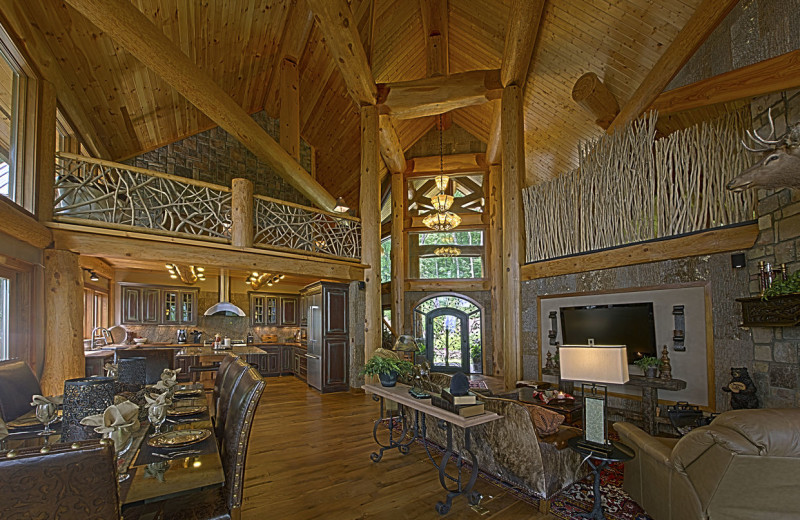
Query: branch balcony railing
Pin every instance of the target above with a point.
(107, 194)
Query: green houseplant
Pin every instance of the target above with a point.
(649, 365)
(386, 368)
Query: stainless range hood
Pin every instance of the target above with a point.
(224, 307)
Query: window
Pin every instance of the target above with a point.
(450, 328)
(5, 298)
(9, 127)
(95, 304)
(386, 260)
(467, 263)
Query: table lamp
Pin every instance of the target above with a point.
(594, 364)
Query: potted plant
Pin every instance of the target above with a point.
(386, 368)
(649, 365)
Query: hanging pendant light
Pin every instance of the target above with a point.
(447, 251)
(441, 219)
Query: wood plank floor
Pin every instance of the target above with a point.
(309, 458)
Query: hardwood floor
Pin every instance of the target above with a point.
(309, 458)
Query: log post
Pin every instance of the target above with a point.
(593, 95)
(242, 213)
(513, 240)
(371, 228)
(45, 174)
(398, 253)
(63, 351)
(290, 108)
(495, 256)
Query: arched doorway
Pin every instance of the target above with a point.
(450, 328)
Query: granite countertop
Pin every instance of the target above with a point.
(208, 351)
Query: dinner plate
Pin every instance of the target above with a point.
(178, 438)
(188, 393)
(29, 422)
(186, 410)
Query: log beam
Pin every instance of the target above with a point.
(521, 32)
(33, 43)
(126, 25)
(772, 75)
(440, 94)
(437, 36)
(45, 169)
(708, 15)
(398, 253)
(391, 149)
(17, 223)
(338, 25)
(455, 163)
(63, 350)
(371, 228)
(290, 108)
(593, 95)
(512, 219)
(493, 148)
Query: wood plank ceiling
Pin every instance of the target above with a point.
(239, 43)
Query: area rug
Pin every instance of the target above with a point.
(479, 384)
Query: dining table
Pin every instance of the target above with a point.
(154, 473)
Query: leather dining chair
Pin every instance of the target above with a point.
(64, 481)
(226, 363)
(225, 502)
(226, 390)
(17, 385)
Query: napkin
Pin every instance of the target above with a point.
(169, 378)
(116, 417)
(3, 429)
(159, 399)
(111, 370)
(40, 399)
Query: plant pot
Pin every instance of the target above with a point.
(389, 379)
(651, 372)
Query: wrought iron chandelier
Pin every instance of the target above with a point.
(441, 218)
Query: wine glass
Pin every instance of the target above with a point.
(121, 448)
(157, 414)
(46, 413)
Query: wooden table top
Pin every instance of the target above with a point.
(399, 394)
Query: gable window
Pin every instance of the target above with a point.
(452, 255)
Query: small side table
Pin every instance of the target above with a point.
(599, 462)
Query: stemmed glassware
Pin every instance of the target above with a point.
(157, 414)
(121, 448)
(46, 413)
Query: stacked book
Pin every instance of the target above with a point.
(463, 405)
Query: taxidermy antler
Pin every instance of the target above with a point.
(780, 166)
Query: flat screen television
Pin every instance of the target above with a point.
(629, 324)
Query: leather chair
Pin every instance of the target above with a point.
(744, 465)
(226, 390)
(68, 481)
(17, 385)
(222, 371)
(226, 502)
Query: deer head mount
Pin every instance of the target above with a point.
(780, 165)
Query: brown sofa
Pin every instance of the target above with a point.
(744, 465)
(511, 450)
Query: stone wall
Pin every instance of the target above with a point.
(733, 346)
(217, 157)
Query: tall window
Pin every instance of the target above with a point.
(386, 260)
(12, 103)
(450, 328)
(5, 297)
(429, 262)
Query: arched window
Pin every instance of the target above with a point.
(450, 327)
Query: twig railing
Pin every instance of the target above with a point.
(107, 194)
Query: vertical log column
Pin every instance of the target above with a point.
(371, 227)
(63, 351)
(290, 108)
(495, 252)
(242, 213)
(45, 150)
(512, 134)
(398, 253)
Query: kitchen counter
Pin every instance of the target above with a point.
(119, 346)
(208, 351)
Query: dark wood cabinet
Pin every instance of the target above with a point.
(287, 359)
(155, 305)
(334, 364)
(273, 310)
(300, 363)
(336, 315)
(289, 311)
(328, 336)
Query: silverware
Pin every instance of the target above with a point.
(178, 454)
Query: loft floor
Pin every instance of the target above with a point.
(309, 458)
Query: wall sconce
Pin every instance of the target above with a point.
(92, 275)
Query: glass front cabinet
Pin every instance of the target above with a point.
(273, 310)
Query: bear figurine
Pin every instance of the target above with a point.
(742, 389)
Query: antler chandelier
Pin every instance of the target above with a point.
(258, 280)
(441, 219)
(189, 274)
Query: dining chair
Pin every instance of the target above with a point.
(157, 360)
(226, 390)
(224, 365)
(225, 502)
(17, 385)
(65, 481)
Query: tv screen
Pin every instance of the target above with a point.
(629, 324)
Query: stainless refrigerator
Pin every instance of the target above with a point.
(314, 353)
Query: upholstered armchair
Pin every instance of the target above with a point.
(744, 465)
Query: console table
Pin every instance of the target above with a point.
(650, 387)
(446, 420)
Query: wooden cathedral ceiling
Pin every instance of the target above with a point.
(240, 42)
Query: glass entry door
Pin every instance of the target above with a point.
(447, 340)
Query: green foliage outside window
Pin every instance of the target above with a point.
(386, 260)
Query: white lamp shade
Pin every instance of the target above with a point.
(594, 363)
